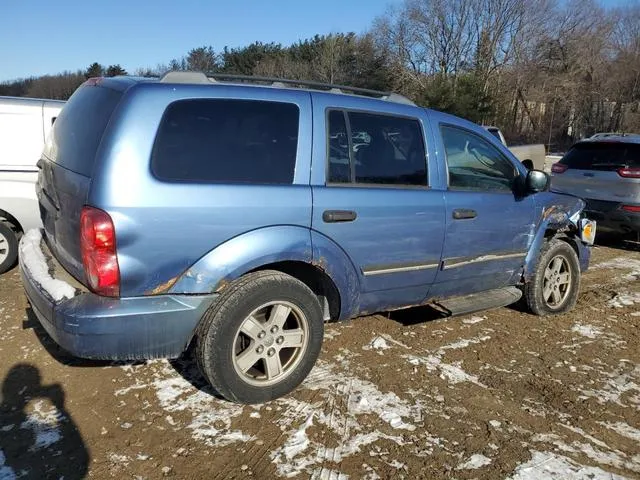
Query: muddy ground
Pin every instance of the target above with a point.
(500, 394)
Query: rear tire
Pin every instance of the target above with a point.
(8, 247)
(555, 284)
(261, 338)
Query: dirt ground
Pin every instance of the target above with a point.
(499, 394)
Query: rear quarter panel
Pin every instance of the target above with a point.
(163, 228)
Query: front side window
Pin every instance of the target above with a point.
(475, 164)
(227, 141)
(368, 148)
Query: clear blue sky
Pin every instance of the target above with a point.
(45, 36)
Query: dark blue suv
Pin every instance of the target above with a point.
(239, 215)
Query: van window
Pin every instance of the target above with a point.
(78, 128)
(227, 141)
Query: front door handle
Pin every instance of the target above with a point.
(335, 216)
(464, 213)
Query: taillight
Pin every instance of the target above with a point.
(631, 208)
(629, 172)
(558, 168)
(98, 246)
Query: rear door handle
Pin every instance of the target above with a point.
(335, 216)
(464, 213)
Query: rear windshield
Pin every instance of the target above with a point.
(227, 141)
(602, 156)
(78, 130)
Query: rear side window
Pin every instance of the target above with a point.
(602, 156)
(78, 129)
(367, 148)
(227, 141)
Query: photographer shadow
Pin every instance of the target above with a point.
(38, 437)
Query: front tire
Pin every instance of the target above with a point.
(8, 247)
(261, 338)
(555, 284)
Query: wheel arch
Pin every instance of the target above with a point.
(546, 234)
(12, 220)
(286, 249)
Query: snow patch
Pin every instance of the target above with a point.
(211, 418)
(623, 263)
(356, 397)
(119, 459)
(558, 467)
(450, 372)
(363, 397)
(617, 385)
(587, 330)
(34, 261)
(297, 443)
(45, 425)
(472, 320)
(327, 474)
(495, 424)
(389, 338)
(464, 343)
(378, 343)
(622, 300)
(474, 462)
(623, 429)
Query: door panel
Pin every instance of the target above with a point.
(483, 253)
(395, 240)
(371, 196)
(488, 227)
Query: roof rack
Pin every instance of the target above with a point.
(201, 77)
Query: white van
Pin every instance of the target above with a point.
(24, 126)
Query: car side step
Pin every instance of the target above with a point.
(479, 301)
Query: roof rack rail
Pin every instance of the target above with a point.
(201, 77)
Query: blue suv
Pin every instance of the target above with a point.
(239, 214)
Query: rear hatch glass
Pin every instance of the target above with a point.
(78, 129)
(66, 168)
(606, 156)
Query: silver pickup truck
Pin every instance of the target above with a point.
(532, 156)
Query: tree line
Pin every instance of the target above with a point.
(542, 70)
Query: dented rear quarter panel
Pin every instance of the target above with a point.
(244, 253)
(164, 228)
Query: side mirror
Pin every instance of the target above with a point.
(536, 181)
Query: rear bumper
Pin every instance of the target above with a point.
(91, 326)
(611, 217)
